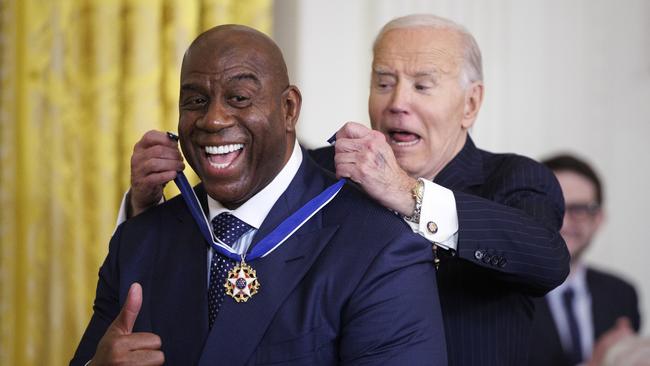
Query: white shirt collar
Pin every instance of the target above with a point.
(254, 211)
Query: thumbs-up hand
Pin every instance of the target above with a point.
(119, 346)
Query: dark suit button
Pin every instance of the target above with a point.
(478, 254)
(502, 262)
(486, 258)
(495, 260)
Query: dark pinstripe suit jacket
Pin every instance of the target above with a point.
(510, 210)
(546, 347)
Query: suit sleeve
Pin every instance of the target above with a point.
(122, 214)
(516, 232)
(106, 305)
(394, 316)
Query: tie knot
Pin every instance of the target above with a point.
(228, 228)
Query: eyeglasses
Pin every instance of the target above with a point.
(582, 211)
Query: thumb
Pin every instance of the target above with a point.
(126, 318)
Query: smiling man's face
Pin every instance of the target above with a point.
(416, 99)
(237, 112)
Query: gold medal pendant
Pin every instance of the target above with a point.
(242, 282)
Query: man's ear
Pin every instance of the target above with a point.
(291, 102)
(473, 101)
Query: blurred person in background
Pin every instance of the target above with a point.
(571, 318)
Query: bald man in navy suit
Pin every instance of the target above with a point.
(348, 286)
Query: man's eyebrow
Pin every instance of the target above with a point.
(418, 74)
(244, 76)
(189, 86)
(382, 71)
(429, 72)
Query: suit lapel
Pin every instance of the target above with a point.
(180, 311)
(239, 327)
(464, 170)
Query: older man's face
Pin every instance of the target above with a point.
(234, 130)
(416, 98)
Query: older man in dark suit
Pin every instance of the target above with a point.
(492, 219)
(296, 273)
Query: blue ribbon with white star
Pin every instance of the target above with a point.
(270, 242)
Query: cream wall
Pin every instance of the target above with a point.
(568, 75)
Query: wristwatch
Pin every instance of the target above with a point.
(417, 193)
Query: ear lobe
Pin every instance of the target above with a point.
(291, 102)
(473, 101)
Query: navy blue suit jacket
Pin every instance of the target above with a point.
(510, 209)
(351, 286)
(611, 298)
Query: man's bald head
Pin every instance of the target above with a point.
(235, 39)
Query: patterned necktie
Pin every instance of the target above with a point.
(228, 229)
(575, 352)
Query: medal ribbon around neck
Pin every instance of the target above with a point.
(270, 242)
(242, 282)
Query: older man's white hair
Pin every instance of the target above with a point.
(472, 69)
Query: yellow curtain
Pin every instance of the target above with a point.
(80, 82)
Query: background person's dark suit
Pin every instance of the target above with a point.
(611, 298)
(353, 283)
(509, 213)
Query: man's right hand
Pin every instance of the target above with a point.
(363, 155)
(155, 161)
(119, 346)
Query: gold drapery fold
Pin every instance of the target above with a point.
(80, 82)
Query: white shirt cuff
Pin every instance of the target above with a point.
(438, 216)
(121, 214)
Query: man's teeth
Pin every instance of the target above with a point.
(405, 143)
(218, 156)
(409, 143)
(223, 149)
